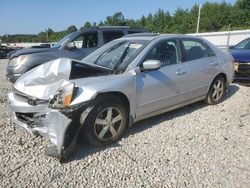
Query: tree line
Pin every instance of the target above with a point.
(214, 17)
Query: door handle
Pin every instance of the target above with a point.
(180, 72)
(214, 64)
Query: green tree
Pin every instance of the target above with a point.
(86, 25)
(162, 21)
(214, 16)
(71, 29)
(117, 19)
(149, 23)
(241, 14)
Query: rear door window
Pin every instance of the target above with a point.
(195, 49)
(111, 35)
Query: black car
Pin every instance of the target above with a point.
(241, 54)
(4, 50)
(75, 45)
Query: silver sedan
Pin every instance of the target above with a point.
(126, 80)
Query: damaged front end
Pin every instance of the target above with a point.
(41, 102)
(61, 126)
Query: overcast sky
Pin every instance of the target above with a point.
(33, 16)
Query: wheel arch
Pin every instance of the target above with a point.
(120, 95)
(223, 75)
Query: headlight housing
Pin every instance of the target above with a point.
(63, 97)
(236, 66)
(16, 61)
(13, 62)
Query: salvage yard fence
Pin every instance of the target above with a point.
(226, 38)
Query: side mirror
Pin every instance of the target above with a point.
(70, 46)
(151, 65)
(230, 47)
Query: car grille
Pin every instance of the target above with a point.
(26, 98)
(27, 118)
(243, 70)
(30, 118)
(20, 95)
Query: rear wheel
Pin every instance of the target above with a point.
(217, 91)
(107, 122)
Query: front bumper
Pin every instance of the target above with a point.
(242, 71)
(12, 77)
(49, 123)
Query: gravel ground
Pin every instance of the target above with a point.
(195, 146)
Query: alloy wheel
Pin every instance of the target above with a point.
(108, 123)
(217, 90)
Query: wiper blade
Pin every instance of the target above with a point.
(124, 54)
(95, 65)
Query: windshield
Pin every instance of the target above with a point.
(245, 44)
(62, 41)
(116, 55)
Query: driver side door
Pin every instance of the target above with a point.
(165, 87)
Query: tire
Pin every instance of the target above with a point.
(107, 121)
(217, 91)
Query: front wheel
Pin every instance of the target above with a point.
(217, 91)
(106, 123)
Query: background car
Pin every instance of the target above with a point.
(241, 54)
(4, 50)
(76, 45)
(124, 81)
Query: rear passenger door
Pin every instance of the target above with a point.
(202, 66)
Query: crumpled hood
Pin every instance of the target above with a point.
(241, 55)
(31, 51)
(43, 81)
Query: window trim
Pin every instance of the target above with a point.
(83, 35)
(158, 42)
(183, 50)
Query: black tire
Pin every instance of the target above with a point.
(217, 91)
(92, 130)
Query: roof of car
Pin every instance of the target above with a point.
(106, 28)
(152, 36)
(111, 28)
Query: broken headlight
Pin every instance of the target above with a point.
(63, 97)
